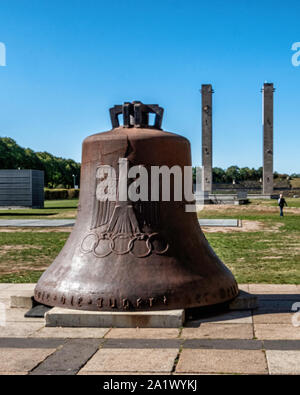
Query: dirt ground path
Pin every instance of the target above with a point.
(246, 226)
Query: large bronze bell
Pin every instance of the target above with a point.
(134, 255)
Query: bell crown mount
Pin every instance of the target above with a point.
(136, 114)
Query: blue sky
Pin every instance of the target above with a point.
(68, 61)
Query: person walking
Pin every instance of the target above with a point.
(281, 204)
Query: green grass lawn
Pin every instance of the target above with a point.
(260, 257)
(63, 209)
(25, 255)
(268, 254)
(61, 204)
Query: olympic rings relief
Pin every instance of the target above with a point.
(92, 241)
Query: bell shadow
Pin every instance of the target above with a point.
(266, 304)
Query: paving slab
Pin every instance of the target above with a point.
(13, 373)
(3, 286)
(283, 362)
(21, 286)
(219, 331)
(7, 293)
(22, 360)
(142, 333)
(197, 374)
(263, 317)
(4, 303)
(132, 360)
(70, 222)
(32, 223)
(13, 287)
(222, 361)
(68, 333)
(273, 288)
(276, 331)
(27, 342)
(292, 345)
(17, 315)
(79, 318)
(21, 329)
(69, 358)
(272, 306)
(4, 292)
(223, 344)
(230, 317)
(143, 343)
(279, 297)
(53, 373)
(83, 373)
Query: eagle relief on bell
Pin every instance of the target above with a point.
(135, 246)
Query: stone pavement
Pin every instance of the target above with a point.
(32, 223)
(261, 341)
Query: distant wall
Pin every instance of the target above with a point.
(22, 188)
(250, 186)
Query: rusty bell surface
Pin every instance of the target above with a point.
(135, 256)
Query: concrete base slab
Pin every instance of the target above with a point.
(93, 319)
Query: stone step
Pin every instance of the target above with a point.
(60, 317)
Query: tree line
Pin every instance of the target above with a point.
(237, 174)
(240, 174)
(59, 172)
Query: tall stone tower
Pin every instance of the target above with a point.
(206, 93)
(268, 91)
